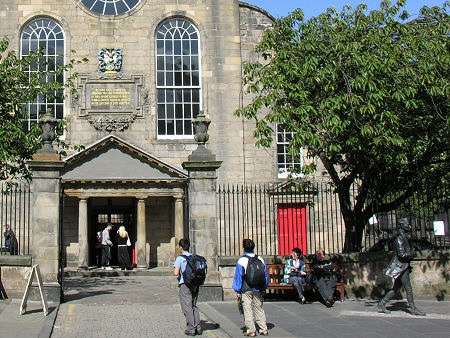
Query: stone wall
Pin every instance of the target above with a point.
(228, 32)
(14, 280)
(364, 274)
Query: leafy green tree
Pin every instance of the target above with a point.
(366, 93)
(17, 144)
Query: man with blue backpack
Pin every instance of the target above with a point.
(250, 282)
(191, 272)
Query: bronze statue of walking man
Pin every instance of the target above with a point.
(400, 268)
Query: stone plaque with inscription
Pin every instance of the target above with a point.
(111, 105)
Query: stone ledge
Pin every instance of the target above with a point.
(15, 260)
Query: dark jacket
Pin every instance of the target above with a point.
(403, 254)
(323, 269)
(11, 242)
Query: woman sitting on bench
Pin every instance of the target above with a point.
(294, 273)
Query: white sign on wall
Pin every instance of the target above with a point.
(439, 228)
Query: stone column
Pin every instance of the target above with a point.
(45, 208)
(83, 253)
(202, 209)
(202, 167)
(179, 226)
(141, 236)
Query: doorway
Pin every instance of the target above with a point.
(117, 212)
(292, 231)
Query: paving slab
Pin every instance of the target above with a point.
(31, 324)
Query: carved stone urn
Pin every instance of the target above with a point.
(48, 135)
(201, 124)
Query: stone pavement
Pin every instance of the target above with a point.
(133, 305)
(32, 324)
(348, 319)
(123, 306)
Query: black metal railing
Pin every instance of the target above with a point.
(15, 212)
(279, 217)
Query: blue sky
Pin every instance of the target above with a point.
(280, 8)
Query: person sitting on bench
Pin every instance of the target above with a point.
(323, 276)
(294, 273)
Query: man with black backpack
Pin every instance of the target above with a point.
(191, 272)
(250, 282)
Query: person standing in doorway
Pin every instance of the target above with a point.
(188, 294)
(250, 282)
(123, 242)
(106, 248)
(400, 268)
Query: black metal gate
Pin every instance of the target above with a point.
(15, 213)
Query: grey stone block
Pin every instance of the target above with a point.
(210, 293)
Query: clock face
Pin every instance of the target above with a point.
(110, 7)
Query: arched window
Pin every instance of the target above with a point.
(177, 78)
(47, 34)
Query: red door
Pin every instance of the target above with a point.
(291, 227)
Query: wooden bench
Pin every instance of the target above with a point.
(276, 282)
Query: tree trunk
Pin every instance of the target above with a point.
(353, 237)
(354, 224)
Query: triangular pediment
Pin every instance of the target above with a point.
(293, 186)
(113, 159)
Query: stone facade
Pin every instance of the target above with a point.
(229, 30)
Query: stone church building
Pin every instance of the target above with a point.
(152, 67)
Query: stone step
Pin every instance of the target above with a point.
(96, 272)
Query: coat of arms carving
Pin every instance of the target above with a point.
(110, 63)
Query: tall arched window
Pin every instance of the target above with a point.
(47, 34)
(177, 78)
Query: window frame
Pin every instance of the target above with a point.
(93, 8)
(49, 27)
(165, 71)
(283, 169)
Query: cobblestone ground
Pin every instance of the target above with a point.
(124, 306)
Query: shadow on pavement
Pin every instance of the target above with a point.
(83, 282)
(85, 294)
(208, 326)
(50, 310)
(392, 306)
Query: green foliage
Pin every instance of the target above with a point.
(367, 93)
(18, 145)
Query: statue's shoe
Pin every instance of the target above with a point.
(382, 308)
(416, 312)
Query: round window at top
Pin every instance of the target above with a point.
(110, 7)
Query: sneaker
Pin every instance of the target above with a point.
(103, 268)
(108, 268)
